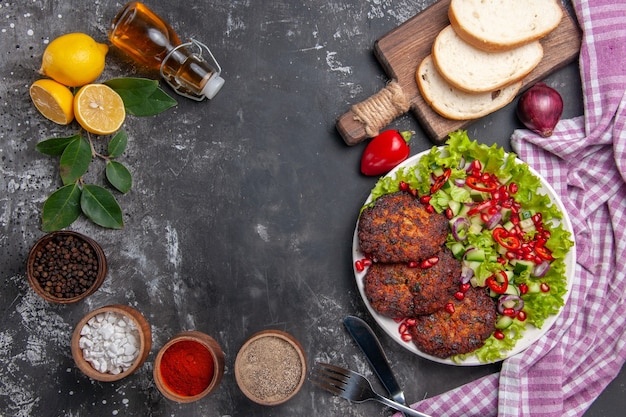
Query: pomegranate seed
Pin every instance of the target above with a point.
(493, 210)
(509, 312)
(425, 199)
(537, 217)
(544, 287)
(507, 204)
(521, 316)
(430, 209)
(406, 337)
(403, 328)
(367, 262)
(501, 260)
(411, 322)
(450, 308)
(404, 186)
(358, 265)
(459, 295)
(510, 255)
(498, 334)
(523, 288)
(398, 320)
(413, 264)
(425, 264)
(513, 188)
(413, 192)
(449, 213)
(465, 287)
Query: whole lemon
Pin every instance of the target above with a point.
(74, 59)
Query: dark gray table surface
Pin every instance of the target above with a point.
(242, 209)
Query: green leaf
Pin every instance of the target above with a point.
(55, 146)
(100, 207)
(141, 96)
(119, 176)
(75, 160)
(61, 208)
(118, 143)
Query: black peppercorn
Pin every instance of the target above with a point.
(65, 267)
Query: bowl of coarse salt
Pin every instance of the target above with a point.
(270, 367)
(111, 342)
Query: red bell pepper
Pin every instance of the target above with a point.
(385, 151)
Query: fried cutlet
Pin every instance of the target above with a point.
(398, 228)
(399, 291)
(442, 334)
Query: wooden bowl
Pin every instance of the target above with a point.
(143, 336)
(35, 270)
(214, 354)
(270, 367)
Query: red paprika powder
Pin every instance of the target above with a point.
(187, 368)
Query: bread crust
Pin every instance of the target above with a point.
(456, 104)
(476, 71)
(493, 43)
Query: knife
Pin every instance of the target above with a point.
(362, 333)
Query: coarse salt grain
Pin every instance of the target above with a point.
(110, 342)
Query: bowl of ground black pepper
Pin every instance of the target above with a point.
(65, 267)
(189, 367)
(270, 367)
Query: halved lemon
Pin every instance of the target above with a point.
(53, 100)
(99, 109)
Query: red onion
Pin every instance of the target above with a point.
(514, 302)
(540, 109)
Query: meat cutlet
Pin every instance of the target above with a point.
(442, 334)
(399, 228)
(399, 291)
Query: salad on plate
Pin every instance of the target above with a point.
(507, 227)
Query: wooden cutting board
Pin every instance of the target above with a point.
(401, 50)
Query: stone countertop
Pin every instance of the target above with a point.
(242, 208)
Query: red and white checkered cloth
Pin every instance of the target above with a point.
(585, 162)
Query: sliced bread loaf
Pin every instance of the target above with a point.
(474, 70)
(495, 25)
(452, 103)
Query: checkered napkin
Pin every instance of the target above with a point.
(585, 162)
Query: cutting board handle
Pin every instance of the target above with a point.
(365, 119)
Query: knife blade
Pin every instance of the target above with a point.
(366, 339)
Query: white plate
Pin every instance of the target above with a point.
(531, 335)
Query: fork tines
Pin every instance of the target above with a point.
(330, 377)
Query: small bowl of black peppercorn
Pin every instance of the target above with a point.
(65, 267)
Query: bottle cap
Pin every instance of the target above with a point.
(213, 86)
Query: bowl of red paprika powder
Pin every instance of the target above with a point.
(188, 367)
(65, 267)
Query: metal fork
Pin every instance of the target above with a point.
(352, 386)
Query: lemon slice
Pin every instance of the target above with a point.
(53, 100)
(99, 109)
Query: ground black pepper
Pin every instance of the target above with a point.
(270, 368)
(65, 267)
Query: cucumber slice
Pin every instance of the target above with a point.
(504, 322)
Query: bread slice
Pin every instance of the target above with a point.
(476, 71)
(496, 25)
(452, 103)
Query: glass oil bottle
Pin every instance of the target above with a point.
(189, 68)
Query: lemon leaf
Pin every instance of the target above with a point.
(61, 208)
(55, 146)
(119, 176)
(100, 206)
(118, 143)
(75, 160)
(141, 96)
